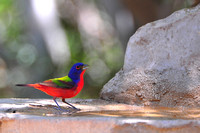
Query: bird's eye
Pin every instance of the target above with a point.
(78, 67)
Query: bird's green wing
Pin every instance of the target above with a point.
(63, 82)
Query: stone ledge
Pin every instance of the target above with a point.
(38, 115)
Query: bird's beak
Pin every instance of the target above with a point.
(85, 66)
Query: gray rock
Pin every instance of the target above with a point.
(162, 64)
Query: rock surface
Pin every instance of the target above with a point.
(96, 116)
(162, 64)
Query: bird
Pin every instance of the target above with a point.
(63, 87)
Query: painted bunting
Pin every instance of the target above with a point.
(64, 87)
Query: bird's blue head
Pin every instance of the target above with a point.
(76, 71)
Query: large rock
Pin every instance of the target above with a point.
(162, 64)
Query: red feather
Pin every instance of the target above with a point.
(60, 92)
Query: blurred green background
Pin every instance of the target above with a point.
(42, 39)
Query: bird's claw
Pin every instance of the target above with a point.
(68, 111)
(77, 109)
(63, 110)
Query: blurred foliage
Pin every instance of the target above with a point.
(38, 42)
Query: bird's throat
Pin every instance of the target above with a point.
(77, 77)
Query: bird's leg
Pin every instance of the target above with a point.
(63, 100)
(59, 108)
(57, 103)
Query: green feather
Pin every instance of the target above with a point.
(58, 82)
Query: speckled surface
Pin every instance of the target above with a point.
(161, 64)
(39, 115)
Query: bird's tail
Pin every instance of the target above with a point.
(29, 85)
(22, 84)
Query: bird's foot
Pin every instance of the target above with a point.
(76, 109)
(63, 110)
(71, 110)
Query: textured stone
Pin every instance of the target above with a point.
(96, 116)
(162, 64)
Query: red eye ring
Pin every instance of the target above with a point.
(78, 67)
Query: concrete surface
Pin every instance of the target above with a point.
(96, 116)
